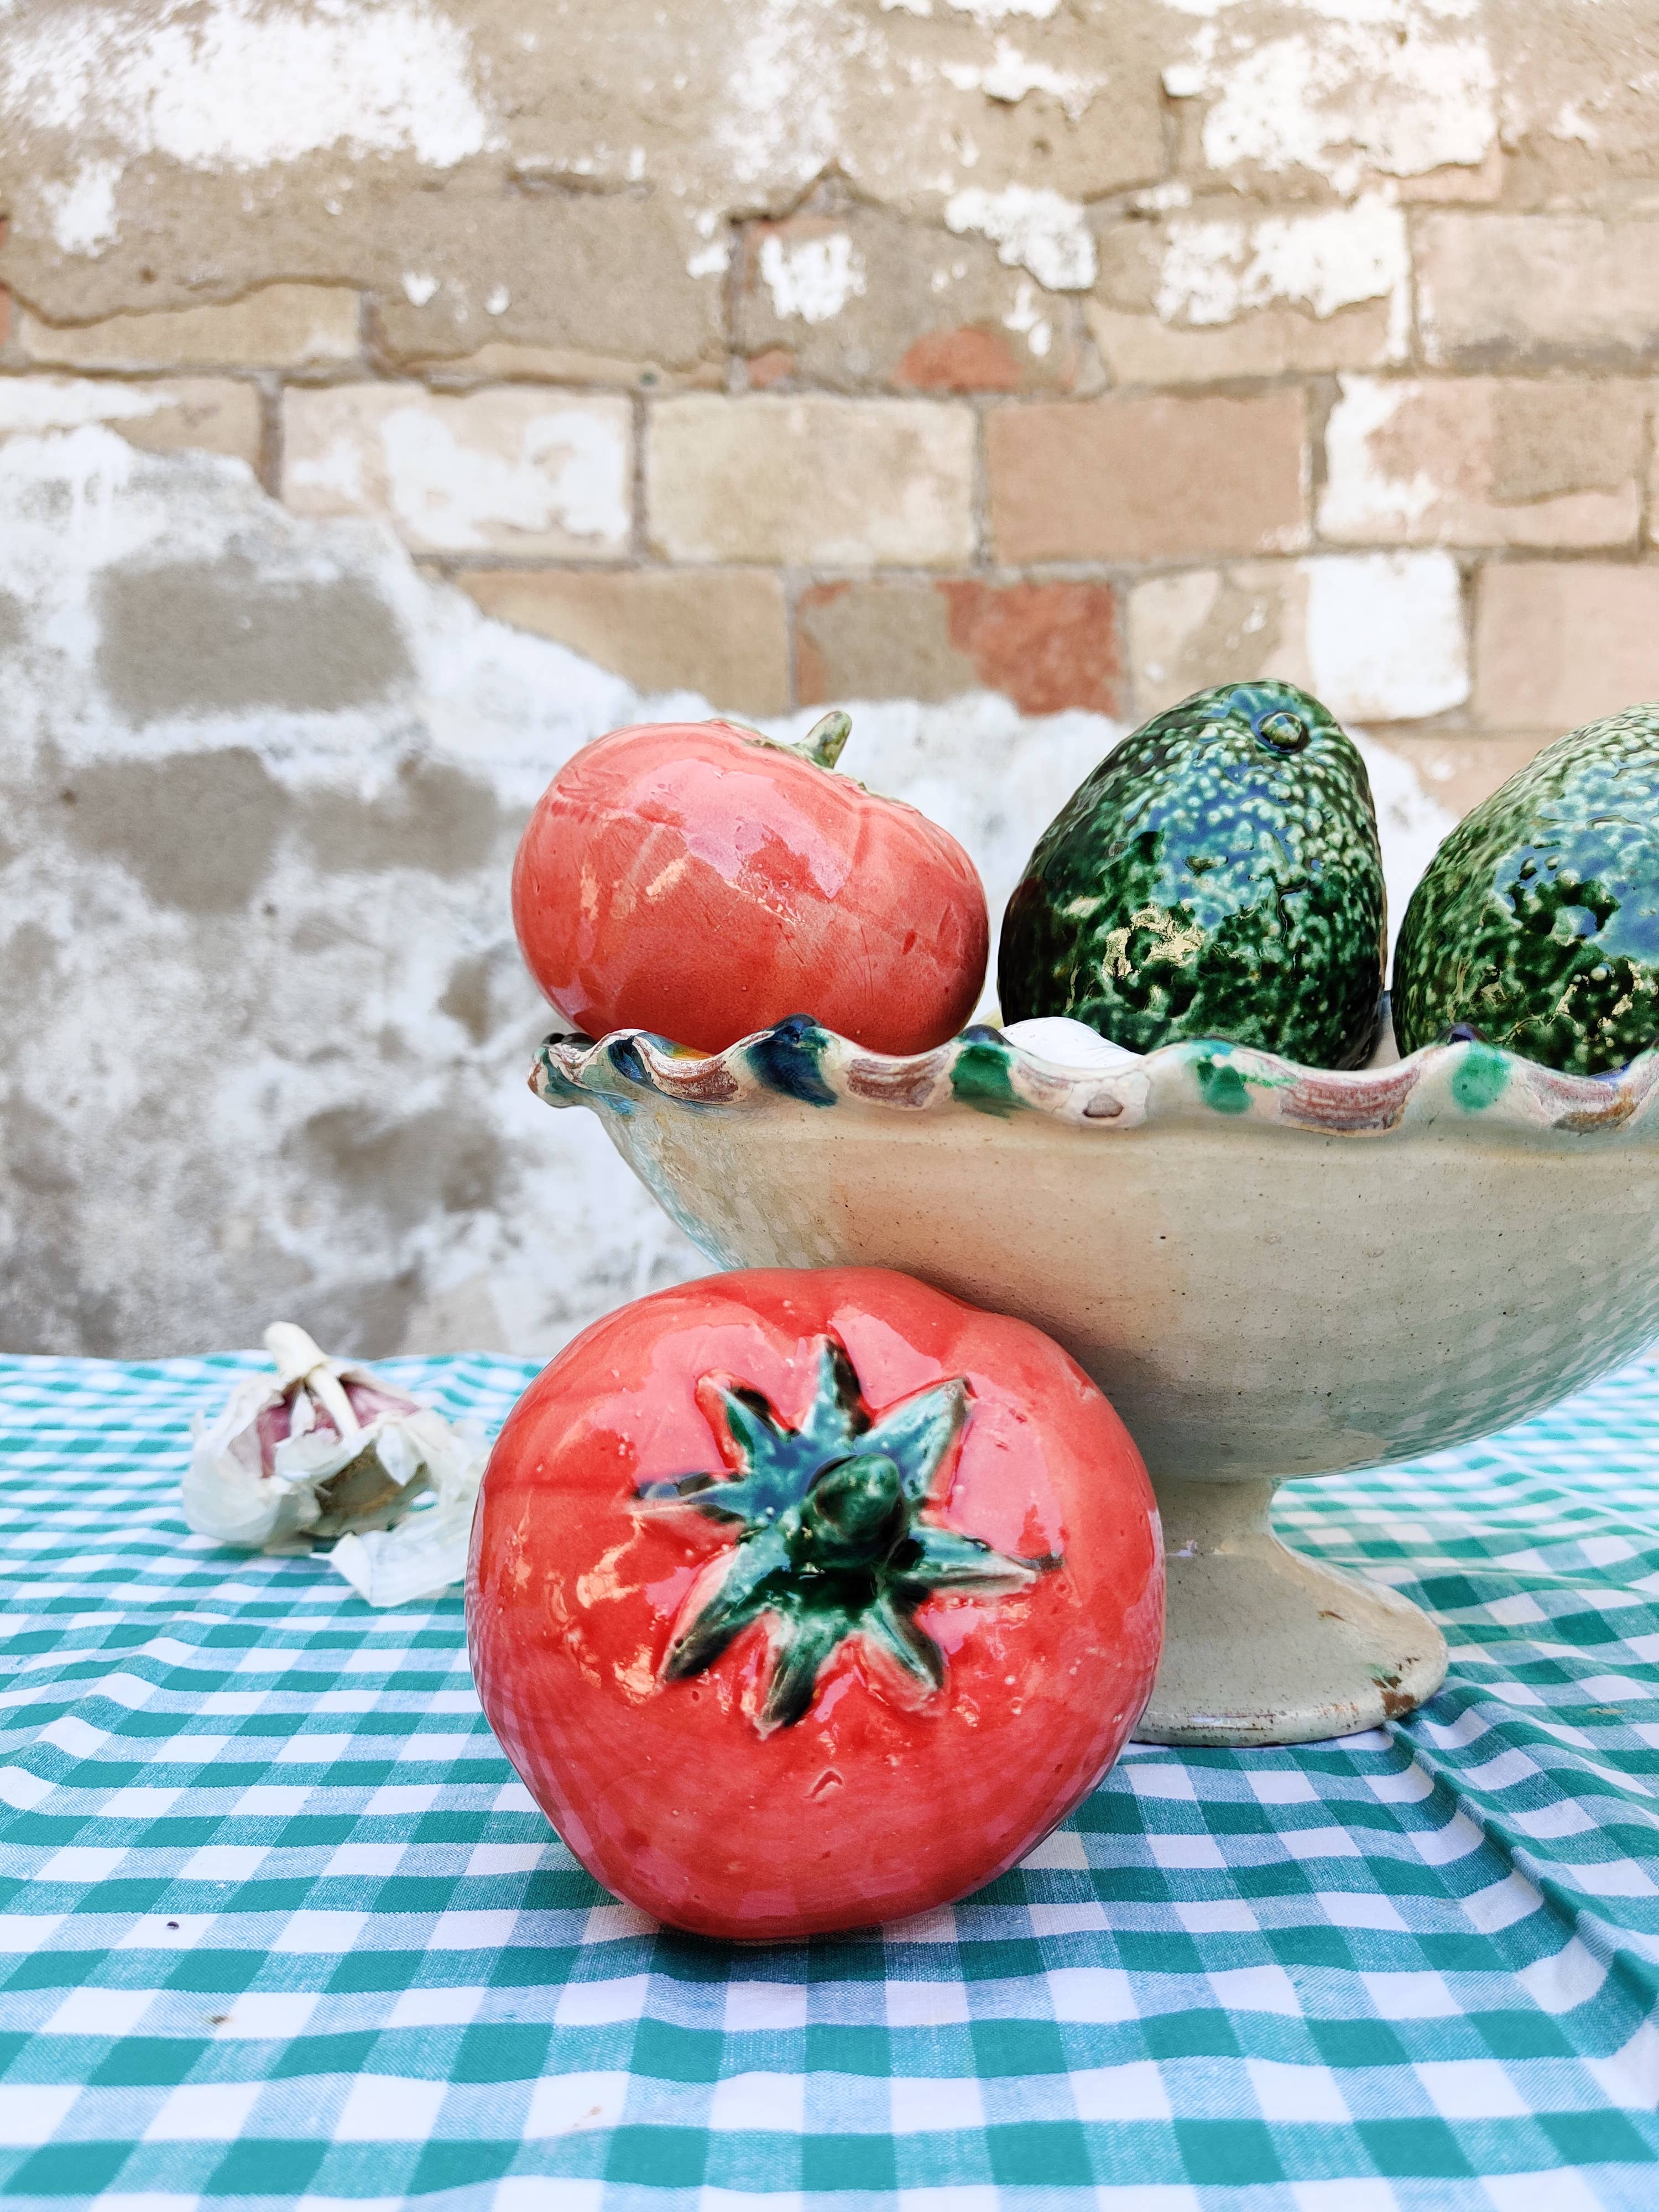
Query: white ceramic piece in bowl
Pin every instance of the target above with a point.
(1272, 1271)
(1073, 1046)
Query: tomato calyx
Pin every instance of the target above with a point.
(831, 1541)
(824, 742)
(823, 745)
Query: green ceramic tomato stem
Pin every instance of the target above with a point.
(823, 745)
(855, 1516)
(832, 1537)
(824, 742)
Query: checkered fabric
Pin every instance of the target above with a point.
(280, 1926)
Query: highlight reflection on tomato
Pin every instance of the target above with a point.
(699, 881)
(806, 1599)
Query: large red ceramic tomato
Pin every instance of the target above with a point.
(805, 1600)
(697, 880)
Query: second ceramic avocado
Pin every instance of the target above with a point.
(1538, 920)
(1218, 875)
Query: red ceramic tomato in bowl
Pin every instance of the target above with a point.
(804, 1601)
(700, 881)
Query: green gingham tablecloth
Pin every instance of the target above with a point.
(280, 1928)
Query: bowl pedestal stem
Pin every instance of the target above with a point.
(1264, 1646)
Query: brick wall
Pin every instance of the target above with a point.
(1318, 349)
(787, 350)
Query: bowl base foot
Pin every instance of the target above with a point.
(1264, 1646)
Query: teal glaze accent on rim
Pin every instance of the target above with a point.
(1461, 1086)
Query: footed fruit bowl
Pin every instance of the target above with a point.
(1272, 1271)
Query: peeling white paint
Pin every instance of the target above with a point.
(82, 212)
(1571, 122)
(998, 12)
(51, 403)
(1532, 105)
(1360, 493)
(1027, 319)
(715, 258)
(335, 471)
(1394, 13)
(1162, 199)
(812, 278)
(1011, 74)
(1031, 228)
(487, 473)
(781, 115)
(1214, 270)
(570, 472)
(234, 84)
(1394, 93)
(1385, 635)
(984, 12)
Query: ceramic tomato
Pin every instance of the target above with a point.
(697, 880)
(806, 1599)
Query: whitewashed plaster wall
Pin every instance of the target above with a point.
(267, 1029)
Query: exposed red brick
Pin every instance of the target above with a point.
(967, 360)
(1046, 646)
(770, 367)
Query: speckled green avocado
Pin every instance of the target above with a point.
(1538, 921)
(1218, 875)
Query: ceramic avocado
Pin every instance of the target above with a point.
(1538, 920)
(1217, 876)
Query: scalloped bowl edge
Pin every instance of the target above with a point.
(983, 1071)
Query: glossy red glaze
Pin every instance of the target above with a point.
(876, 1805)
(687, 880)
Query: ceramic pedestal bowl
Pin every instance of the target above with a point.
(1273, 1272)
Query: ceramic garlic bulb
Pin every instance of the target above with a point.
(326, 1449)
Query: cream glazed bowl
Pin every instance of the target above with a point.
(1272, 1271)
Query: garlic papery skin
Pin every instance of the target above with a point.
(324, 1448)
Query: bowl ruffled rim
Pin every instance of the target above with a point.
(1472, 1085)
